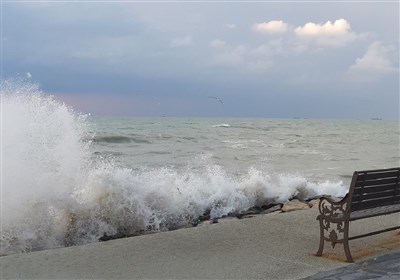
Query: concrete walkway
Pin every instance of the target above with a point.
(272, 246)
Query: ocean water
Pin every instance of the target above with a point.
(70, 179)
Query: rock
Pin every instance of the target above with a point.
(205, 216)
(313, 203)
(249, 212)
(181, 225)
(272, 209)
(106, 237)
(248, 216)
(294, 205)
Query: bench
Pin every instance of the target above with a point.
(372, 193)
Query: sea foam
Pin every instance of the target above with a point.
(56, 192)
(44, 157)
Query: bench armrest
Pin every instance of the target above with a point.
(328, 208)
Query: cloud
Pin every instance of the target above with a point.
(336, 34)
(274, 26)
(339, 27)
(181, 42)
(377, 61)
(217, 43)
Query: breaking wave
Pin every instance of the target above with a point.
(55, 193)
(222, 125)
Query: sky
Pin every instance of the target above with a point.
(289, 59)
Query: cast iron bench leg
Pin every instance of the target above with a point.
(321, 239)
(346, 242)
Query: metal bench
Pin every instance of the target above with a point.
(372, 193)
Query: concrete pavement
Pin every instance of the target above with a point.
(272, 246)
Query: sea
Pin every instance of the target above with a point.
(69, 178)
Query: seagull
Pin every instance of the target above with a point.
(216, 99)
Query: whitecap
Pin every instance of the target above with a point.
(222, 125)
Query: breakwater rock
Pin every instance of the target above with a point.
(294, 204)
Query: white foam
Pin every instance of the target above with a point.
(43, 156)
(222, 125)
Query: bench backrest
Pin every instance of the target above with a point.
(373, 188)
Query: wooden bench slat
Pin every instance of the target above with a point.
(376, 182)
(379, 170)
(362, 175)
(375, 195)
(375, 203)
(376, 189)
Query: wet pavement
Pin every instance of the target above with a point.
(383, 267)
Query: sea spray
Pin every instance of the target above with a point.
(44, 157)
(56, 192)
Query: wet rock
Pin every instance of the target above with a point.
(274, 208)
(248, 212)
(294, 205)
(180, 225)
(205, 216)
(106, 237)
(269, 205)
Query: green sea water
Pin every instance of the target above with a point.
(316, 149)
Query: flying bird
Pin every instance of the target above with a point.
(216, 98)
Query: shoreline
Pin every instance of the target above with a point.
(293, 204)
(273, 246)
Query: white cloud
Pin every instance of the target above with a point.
(339, 27)
(274, 26)
(336, 34)
(376, 61)
(181, 42)
(217, 43)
